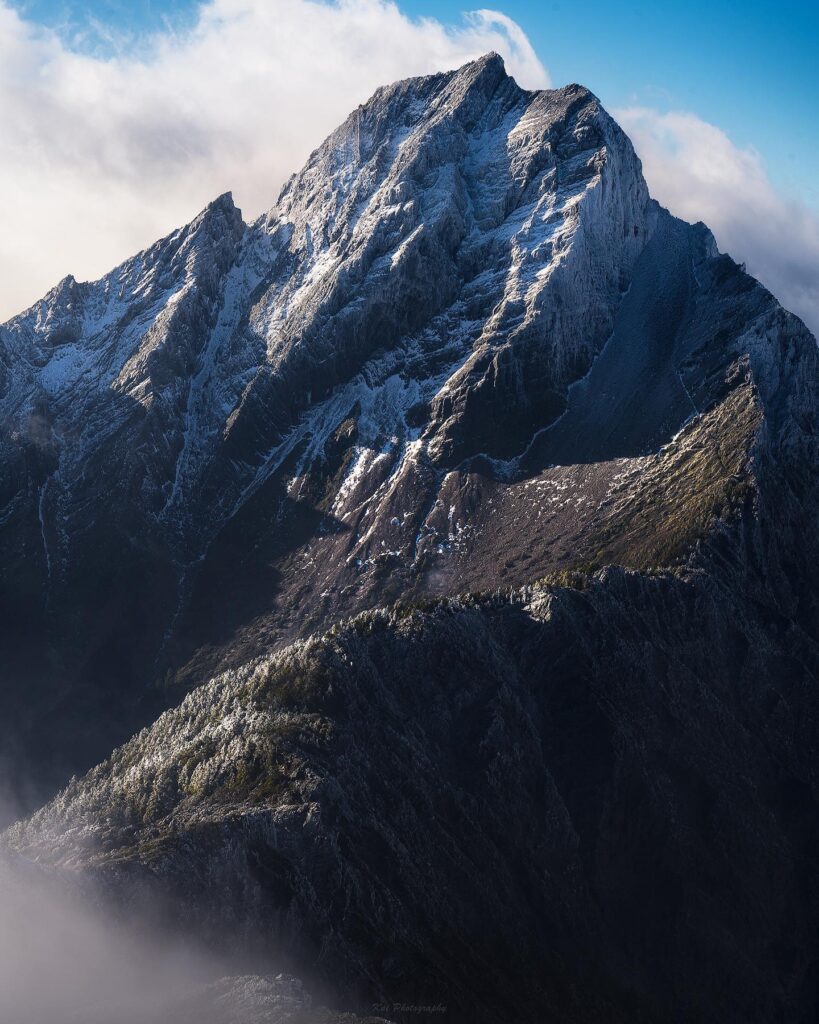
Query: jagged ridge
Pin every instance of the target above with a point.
(464, 349)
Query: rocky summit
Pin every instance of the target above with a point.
(468, 502)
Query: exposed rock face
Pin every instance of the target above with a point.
(465, 352)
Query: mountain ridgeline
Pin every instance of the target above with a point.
(486, 495)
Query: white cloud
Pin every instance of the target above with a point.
(101, 156)
(694, 169)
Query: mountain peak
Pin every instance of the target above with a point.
(220, 209)
(65, 286)
(223, 203)
(491, 61)
(491, 57)
(464, 284)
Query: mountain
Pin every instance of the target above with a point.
(247, 431)
(487, 493)
(568, 804)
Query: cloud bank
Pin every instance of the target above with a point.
(79, 946)
(68, 956)
(101, 156)
(694, 169)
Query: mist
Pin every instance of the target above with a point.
(64, 957)
(71, 953)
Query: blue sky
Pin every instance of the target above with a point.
(752, 67)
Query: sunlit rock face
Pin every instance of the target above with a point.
(464, 354)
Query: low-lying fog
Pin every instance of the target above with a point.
(67, 958)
